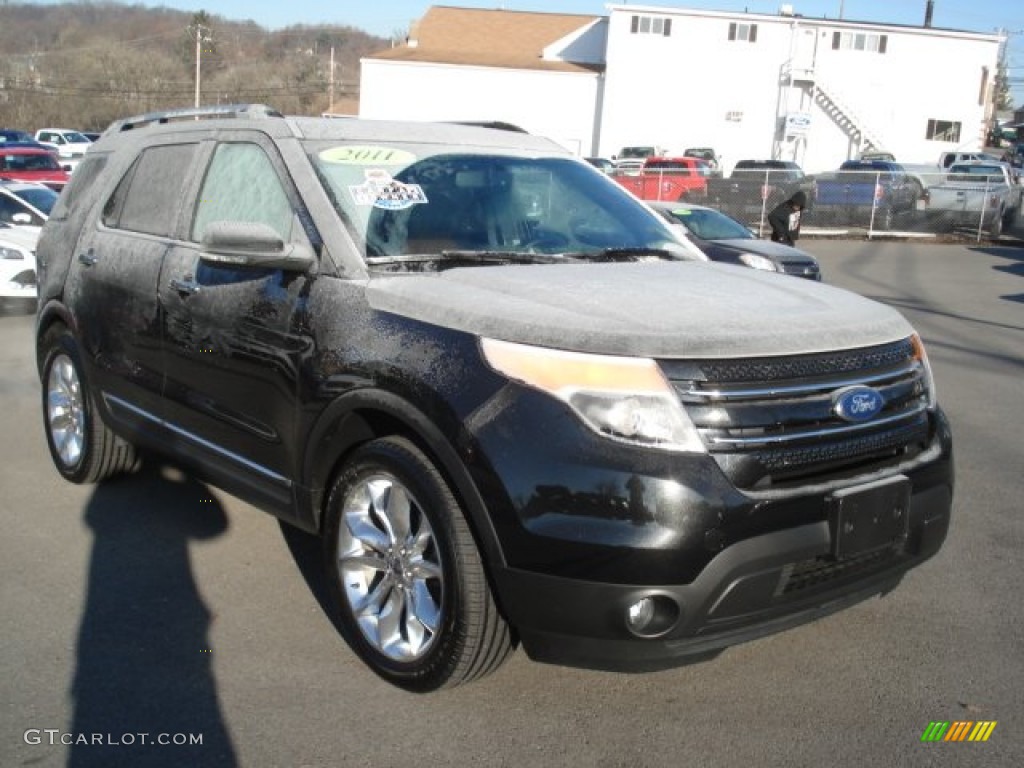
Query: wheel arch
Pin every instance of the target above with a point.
(51, 314)
(358, 417)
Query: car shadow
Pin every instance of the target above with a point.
(1015, 256)
(143, 673)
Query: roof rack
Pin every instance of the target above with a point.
(257, 111)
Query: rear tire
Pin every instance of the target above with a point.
(405, 573)
(82, 447)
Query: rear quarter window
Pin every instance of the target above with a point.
(83, 177)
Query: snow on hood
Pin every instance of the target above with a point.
(650, 309)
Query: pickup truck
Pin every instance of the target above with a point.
(865, 193)
(979, 195)
(756, 186)
(668, 178)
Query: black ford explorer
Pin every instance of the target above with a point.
(489, 378)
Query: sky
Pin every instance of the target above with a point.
(391, 16)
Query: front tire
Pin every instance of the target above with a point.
(405, 572)
(83, 448)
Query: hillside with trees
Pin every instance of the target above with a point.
(83, 65)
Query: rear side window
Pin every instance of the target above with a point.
(148, 197)
(242, 185)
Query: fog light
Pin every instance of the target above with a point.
(652, 616)
(641, 613)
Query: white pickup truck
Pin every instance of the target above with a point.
(978, 195)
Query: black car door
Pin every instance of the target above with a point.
(112, 282)
(235, 336)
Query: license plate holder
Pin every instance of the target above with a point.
(868, 517)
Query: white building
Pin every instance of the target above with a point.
(818, 91)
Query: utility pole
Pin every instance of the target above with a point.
(330, 100)
(200, 29)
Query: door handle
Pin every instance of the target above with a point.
(185, 287)
(88, 258)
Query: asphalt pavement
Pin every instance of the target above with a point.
(156, 605)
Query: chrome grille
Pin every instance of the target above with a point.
(771, 421)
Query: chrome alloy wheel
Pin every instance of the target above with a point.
(389, 567)
(65, 410)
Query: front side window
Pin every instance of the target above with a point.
(242, 185)
(412, 200)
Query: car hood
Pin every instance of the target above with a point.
(775, 251)
(657, 309)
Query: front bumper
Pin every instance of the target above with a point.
(724, 566)
(754, 588)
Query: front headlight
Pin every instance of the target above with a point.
(929, 380)
(624, 398)
(12, 254)
(758, 262)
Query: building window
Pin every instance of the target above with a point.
(943, 130)
(651, 25)
(744, 33)
(859, 41)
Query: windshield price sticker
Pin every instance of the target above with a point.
(359, 155)
(382, 191)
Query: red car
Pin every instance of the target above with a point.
(32, 164)
(669, 178)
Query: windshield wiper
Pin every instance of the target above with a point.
(455, 257)
(624, 253)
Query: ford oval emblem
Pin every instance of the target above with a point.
(857, 403)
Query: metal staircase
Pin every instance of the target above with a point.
(833, 105)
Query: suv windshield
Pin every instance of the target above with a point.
(412, 201)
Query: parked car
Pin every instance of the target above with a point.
(631, 159)
(668, 178)
(722, 238)
(755, 187)
(478, 369)
(71, 145)
(946, 159)
(865, 193)
(704, 153)
(976, 195)
(877, 154)
(32, 164)
(17, 269)
(10, 135)
(602, 164)
(25, 204)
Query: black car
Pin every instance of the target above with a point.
(487, 376)
(722, 238)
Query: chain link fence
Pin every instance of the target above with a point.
(978, 204)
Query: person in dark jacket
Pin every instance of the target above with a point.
(785, 219)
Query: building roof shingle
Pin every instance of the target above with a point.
(490, 38)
